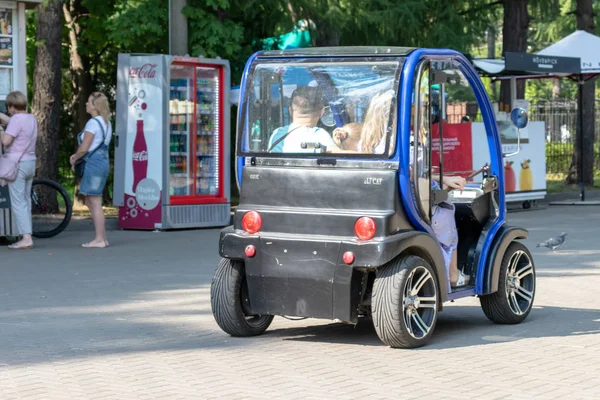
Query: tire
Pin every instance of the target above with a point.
(513, 301)
(46, 220)
(229, 301)
(403, 317)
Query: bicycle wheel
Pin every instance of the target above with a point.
(51, 208)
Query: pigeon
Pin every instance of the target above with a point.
(554, 243)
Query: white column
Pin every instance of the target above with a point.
(20, 66)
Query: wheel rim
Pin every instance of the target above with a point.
(520, 283)
(419, 304)
(251, 319)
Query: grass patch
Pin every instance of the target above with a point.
(555, 183)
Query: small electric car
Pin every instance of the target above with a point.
(342, 189)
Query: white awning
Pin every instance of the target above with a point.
(489, 65)
(580, 44)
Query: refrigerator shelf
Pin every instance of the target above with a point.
(206, 155)
(208, 134)
(179, 153)
(179, 133)
(206, 112)
(179, 175)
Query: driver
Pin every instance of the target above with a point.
(307, 106)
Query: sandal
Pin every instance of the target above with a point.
(462, 280)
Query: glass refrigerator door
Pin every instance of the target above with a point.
(181, 114)
(207, 131)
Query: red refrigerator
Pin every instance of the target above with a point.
(172, 142)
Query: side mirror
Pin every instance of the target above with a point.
(519, 119)
(518, 116)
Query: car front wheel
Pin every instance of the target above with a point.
(513, 301)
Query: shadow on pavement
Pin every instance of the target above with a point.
(149, 293)
(461, 326)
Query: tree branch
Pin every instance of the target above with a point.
(96, 60)
(477, 9)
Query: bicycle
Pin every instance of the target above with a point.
(51, 208)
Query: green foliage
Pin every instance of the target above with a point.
(140, 26)
(233, 29)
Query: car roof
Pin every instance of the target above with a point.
(339, 51)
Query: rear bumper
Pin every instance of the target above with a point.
(304, 276)
(367, 254)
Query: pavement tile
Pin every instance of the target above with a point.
(138, 325)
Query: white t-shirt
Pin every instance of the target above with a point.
(94, 127)
(299, 134)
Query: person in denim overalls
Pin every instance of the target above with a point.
(93, 148)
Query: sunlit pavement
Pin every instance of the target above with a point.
(134, 322)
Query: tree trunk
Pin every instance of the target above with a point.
(585, 21)
(46, 102)
(514, 39)
(81, 81)
(555, 89)
(491, 53)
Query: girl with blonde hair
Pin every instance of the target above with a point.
(443, 222)
(375, 124)
(91, 163)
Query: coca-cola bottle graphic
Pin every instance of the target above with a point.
(140, 156)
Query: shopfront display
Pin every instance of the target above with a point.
(172, 142)
(13, 72)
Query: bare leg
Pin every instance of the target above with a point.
(454, 268)
(94, 203)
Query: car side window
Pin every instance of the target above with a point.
(420, 141)
(465, 139)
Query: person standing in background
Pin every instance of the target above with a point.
(19, 141)
(93, 148)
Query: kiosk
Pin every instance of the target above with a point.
(172, 142)
(13, 76)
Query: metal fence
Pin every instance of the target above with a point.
(560, 118)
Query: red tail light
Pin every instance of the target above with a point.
(250, 251)
(348, 257)
(364, 228)
(252, 222)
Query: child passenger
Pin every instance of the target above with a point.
(348, 136)
(443, 224)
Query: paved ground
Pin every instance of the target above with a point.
(134, 322)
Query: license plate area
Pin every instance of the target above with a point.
(293, 277)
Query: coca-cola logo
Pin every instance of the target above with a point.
(145, 71)
(140, 155)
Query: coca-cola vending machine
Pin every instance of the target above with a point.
(172, 142)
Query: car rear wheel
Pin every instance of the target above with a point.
(513, 301)
(230, 304)
(405, 302)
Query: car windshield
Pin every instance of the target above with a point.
(304, 107)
